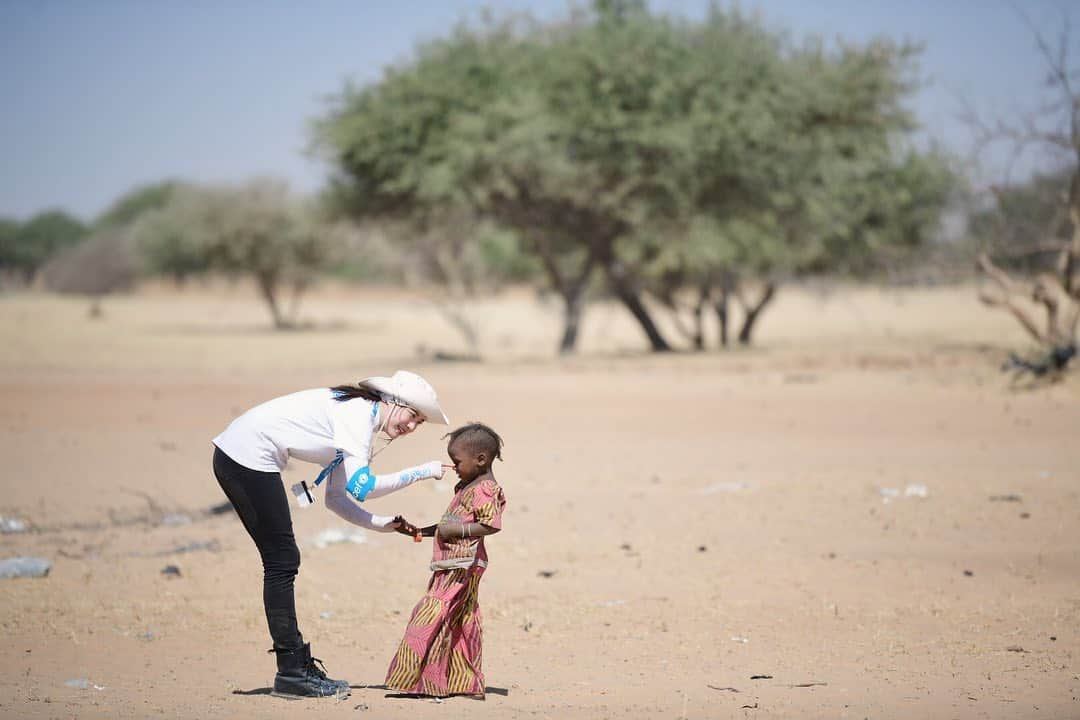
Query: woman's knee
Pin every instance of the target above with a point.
(283, 560)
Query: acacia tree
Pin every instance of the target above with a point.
(604, 139)
(1053, 292)
(172, 240)
(132, 205)
(445, 254)
(257, 230)
(25, 247)
(9, 231)
(485, 119)
(104, 258)
(102, 264)
(822, 179)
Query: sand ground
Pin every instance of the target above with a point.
(677, 524)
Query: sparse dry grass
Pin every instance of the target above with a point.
(684, 503)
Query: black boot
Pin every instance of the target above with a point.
(316, 666)
(300, 675)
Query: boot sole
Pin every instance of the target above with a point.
(291, 696)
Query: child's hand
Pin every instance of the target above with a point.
(404, 527)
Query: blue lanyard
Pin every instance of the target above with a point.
(338, 459)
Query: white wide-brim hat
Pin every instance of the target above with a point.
(409, 389)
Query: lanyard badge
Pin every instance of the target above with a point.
(304, 493)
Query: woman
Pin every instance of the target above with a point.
(333, 427)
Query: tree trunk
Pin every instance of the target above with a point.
(631, 298)
(573, 292)
(699, 326)
(573, 310)
(572, 289)
(752, 312)
(666, 290)
(721, 307)
(455, 314)
(299, 287)
(268, 289)
(704, 290)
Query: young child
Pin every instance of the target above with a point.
(440, 653)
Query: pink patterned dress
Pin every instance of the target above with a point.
(441, 651)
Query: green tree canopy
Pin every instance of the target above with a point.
(25, 248)
(9, 232)
(258, 230)
(132, 205)
(618, 138)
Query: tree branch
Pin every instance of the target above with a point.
(1008, 288)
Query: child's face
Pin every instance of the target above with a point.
(468, 464)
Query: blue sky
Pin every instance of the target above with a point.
(99, 97)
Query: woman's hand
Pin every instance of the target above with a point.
(437, 469)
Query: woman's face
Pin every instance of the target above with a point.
(402, 421)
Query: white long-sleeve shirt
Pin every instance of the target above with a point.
(312, 426)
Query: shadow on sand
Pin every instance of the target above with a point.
(504, 692)
(254, 691)
(488, 690)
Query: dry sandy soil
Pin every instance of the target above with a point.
(677, 525)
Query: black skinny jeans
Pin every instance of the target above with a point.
(263, 507)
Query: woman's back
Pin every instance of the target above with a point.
(301, 425)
